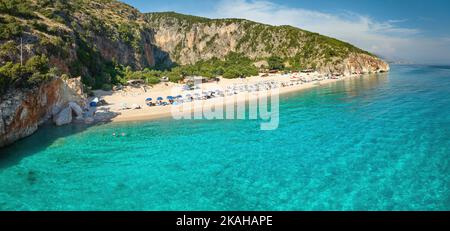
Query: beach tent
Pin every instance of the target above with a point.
(94, 102)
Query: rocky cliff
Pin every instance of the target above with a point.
(80, 37)
(90, 38)
(22, 111)
(188, 39)
(356, 64)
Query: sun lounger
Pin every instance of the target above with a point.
(124, 106)
(136, 107)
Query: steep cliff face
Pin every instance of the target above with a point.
(22, 111)
(189, 39)
(81, 38)
(117, 31)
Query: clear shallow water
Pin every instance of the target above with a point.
(373, 143)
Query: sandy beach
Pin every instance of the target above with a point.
(130, 97)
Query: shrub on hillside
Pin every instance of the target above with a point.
(10, 30)
(16, 8)
(35, 71)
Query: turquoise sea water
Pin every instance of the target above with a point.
(380, 142)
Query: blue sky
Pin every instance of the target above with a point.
(416, 31)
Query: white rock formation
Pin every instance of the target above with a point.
(76, 109)
(63, 117)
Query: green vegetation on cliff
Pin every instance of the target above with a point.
(74, 35)
(299, 48)
(233, 66)
(35, 71)
(107, 42)
(16, 8)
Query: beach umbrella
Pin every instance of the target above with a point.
(160, 98)
(149, 99)
(179, 96)
(169, 97)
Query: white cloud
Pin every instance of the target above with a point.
(385, 38)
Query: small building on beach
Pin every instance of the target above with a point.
(135, 82)
(274, 71)
(191, 80)
(307, 71)
(165, 79)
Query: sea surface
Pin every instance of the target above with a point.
(378, 142)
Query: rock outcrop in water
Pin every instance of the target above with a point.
(22, 111)
(63, 117)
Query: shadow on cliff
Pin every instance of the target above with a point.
(163, 61)
(46, 136)
(161, 58)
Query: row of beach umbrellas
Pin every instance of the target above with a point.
(168, 98)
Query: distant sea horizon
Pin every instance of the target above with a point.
(379, 142)
(394, 63)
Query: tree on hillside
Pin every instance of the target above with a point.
(275, 63)
(35, 71)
